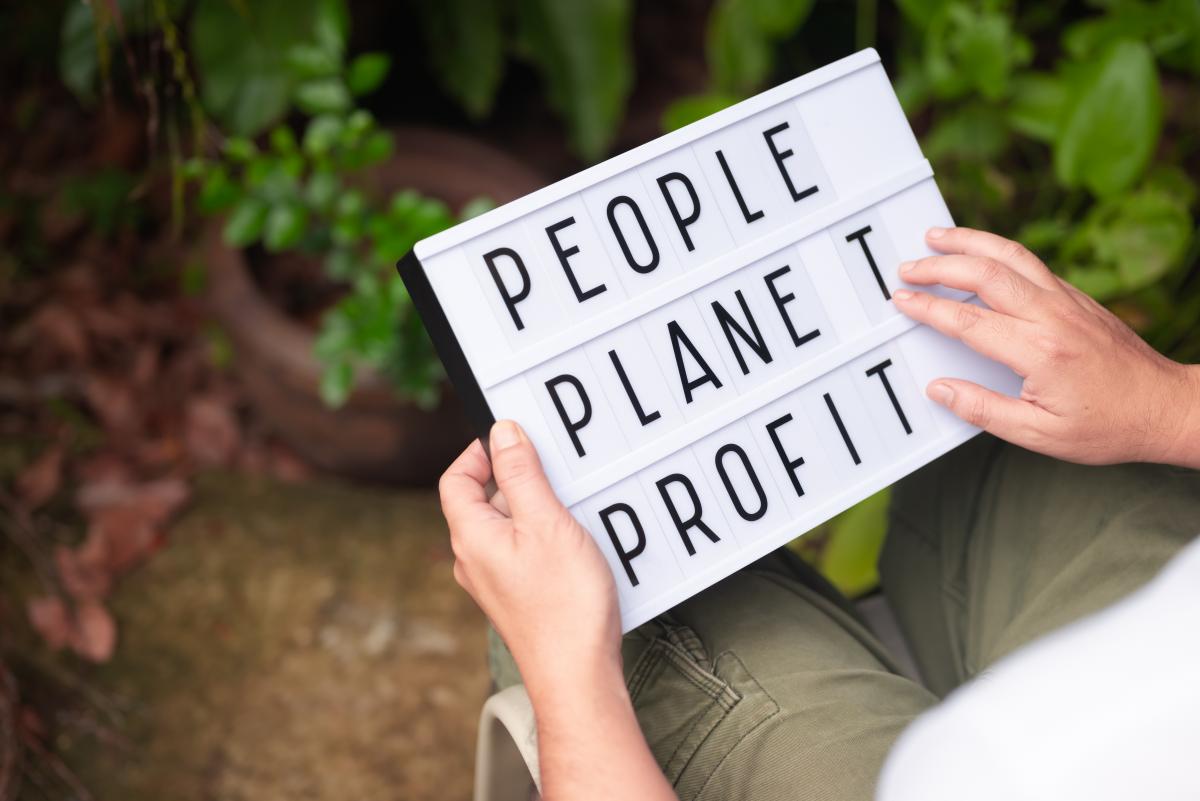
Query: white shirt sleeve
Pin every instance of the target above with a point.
(1106, 708)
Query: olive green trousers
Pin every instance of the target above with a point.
(768, 686)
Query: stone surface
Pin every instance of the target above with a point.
(293, 641)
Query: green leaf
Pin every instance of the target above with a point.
(974, 132)
(1112, 121)
(464, 41)
(1100, 281)
(322, 133)
(855, 540)
(77, 59)
(312, 61)
(217, 191)
(367, 72)
(741, 38)
(1037, 104)
(921, 12)
(337, 379)
(583, 51)
(283, 141)
(78, 56)
(323, 96)
(241, 49)
(1043, 235)
(285, 226)
(245, 223)
(1144, 235)
(969, 50)
(687, 110)
(322, 189)
(476, 206)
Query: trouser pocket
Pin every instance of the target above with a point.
(693, 709)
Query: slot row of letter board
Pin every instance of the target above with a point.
(698, 335)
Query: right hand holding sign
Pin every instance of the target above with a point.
(1094, 392)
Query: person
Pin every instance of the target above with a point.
(999, 559)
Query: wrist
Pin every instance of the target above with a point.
(571, 678)
(1181, 441)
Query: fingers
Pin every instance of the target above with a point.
(1008, 418)
(462, 487)
(1001, 287)
(519, 474)
(1004, 339)
(969, 242)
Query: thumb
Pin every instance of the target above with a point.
(518, 473)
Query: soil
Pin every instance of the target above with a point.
(294, 641)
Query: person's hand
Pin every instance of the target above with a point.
(1094, 392)
(529, 565)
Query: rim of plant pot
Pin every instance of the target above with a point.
(441, 164)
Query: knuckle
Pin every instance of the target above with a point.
(976, 412)
(992, 271)
(1014, 251)
(965, 316)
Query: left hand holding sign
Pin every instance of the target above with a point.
(533, 570)
(539, 577)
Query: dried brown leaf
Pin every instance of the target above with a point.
(211, 431)
(38, 482)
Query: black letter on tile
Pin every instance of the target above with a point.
(572, 426)
(781, 301)
(891, 393)
(730, 326)
(837, 418)
(566, 253)
(681, 222)
(779, 158)
(750, 216)
(789, 464)
(707, 376)
(619, 200)
(694, 520)
(753, 476)
(861, 236)
(643, 418)
(626, 557)
(510, 301)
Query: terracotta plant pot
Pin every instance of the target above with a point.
(375, 436)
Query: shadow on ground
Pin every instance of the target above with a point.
(293, 641)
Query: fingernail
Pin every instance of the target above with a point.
(505, 434)
(935, 233)
(902, 294)
(906, 267)
(942, 393)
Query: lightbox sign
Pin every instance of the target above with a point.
(698, 334)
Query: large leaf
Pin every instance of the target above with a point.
(741, 39)
(465, 44)
(583, 51)
(1112, 120)
(1146, 234)
(1037, 105)
(241, 52)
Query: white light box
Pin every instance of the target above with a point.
(698, 334)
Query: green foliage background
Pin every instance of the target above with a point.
(1071, 126)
